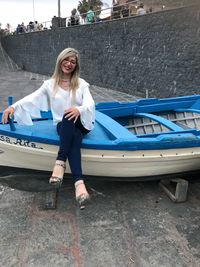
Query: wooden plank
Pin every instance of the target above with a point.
(161, 120)
(50, 199)
(183, 120)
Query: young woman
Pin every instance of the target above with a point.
(73, 111)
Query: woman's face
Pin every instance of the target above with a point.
(68, 65)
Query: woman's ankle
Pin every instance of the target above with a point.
(61, 162)
(78, 182)
(59, 168)
(80, 188)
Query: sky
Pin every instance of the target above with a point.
(15, 12)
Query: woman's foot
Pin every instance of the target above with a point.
(81, 193)
(58, 173)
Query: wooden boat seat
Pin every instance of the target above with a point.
(114, 129)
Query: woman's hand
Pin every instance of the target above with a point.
(8, 112)
(72, 113)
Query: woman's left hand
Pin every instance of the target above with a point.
(72, 113)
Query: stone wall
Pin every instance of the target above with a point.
(157, 54)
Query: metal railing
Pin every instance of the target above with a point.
(117, 11)
(128, 9)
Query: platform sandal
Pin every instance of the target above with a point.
(57, 180)
(82, 197)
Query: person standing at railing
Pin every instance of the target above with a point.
(30, 27)
(36, 26)
(90, 16)
(74, 18)
(18, 29)
(141, 10)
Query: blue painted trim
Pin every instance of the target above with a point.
(163, 106)
(196, 105)
(114, 129)
(190, 100)
(146, 105)
(46, 114)
(11, 120)
(188, 110)
(119, 138)
(119, 112)
(171, 141)
(162, 141)
(30, 138)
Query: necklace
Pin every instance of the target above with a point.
(63, 80)
(65, 84)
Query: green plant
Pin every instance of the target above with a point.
(84, 6)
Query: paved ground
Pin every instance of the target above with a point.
(126, 223)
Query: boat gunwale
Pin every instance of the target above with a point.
(161, 141)
(125, 139)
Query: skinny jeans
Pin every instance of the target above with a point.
(71, 135)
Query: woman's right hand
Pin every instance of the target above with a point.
(8, 112)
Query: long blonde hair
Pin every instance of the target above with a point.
(57, 75)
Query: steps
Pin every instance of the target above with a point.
(6, 63)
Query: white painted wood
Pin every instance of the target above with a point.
(105, 162)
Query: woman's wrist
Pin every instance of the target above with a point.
(12, 108)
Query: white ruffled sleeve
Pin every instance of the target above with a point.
(87, 109)
(30, 106)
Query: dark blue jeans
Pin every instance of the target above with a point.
(71, 135)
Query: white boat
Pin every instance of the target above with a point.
(143, 139)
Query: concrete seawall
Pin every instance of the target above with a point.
(156, 55)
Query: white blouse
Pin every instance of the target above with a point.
(44, 99)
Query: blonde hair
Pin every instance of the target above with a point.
(57, 75)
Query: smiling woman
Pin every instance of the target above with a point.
(73, 110)
(15, 12)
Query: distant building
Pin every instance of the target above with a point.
(124, 8)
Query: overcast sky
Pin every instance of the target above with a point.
(15, 12)
(18, 11)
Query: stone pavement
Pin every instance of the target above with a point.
(20, 83)
(126, 224)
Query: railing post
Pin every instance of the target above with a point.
(10, 120)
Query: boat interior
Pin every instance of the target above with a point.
(141, 119)
(154, 116)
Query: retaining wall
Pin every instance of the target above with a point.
(156, 54)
